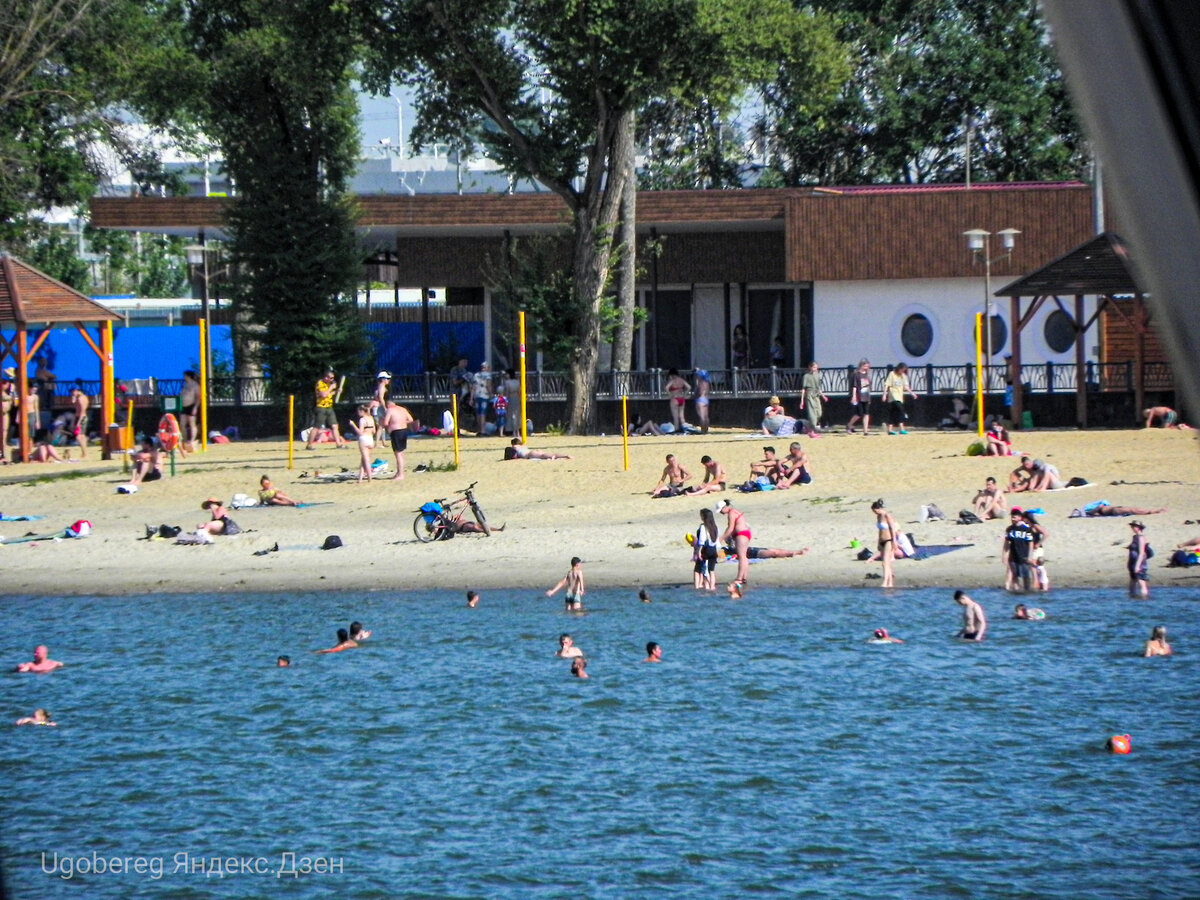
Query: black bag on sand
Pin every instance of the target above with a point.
(966, 517)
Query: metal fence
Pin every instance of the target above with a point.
(1045, 378)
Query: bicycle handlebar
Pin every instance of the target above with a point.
(469, 487)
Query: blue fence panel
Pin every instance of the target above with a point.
(398, 344)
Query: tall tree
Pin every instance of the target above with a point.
(550, 87)
(929, 76)
(274, 91)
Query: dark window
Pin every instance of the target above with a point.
(999, 334)
(916, 334)
(1059, 331)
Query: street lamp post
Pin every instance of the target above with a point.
(979, 242)
(197, 257)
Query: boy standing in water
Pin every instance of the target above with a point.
(573, 582)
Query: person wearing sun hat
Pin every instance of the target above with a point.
(220, 523)
(383, 381)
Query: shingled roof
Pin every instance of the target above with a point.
(1101, 267)
(28, 296)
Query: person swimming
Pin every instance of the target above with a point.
(579, 667)
(1032, 613)
(881, 636)
(42, 717)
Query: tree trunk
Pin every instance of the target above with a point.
(622, 355)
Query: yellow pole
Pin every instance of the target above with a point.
(625, 430)
(524, 408)
(108, 393)
(203, 384)
(979, 366)
(291, 426)
(454, 422)
(129, 427)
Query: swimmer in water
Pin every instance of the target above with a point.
(573, 582)
(567, 648)
(344, 643)
(357, 633)
(472, 599)
(653, 652)
(579, 667)
(1157, 645)
(41, 661)
(1031, 613)
(644, 595)
(43, 717)
(882, 637)
(974, 621)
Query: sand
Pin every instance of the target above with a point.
(589, 507)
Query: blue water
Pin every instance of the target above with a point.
(773, 752)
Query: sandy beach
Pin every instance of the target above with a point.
(589, 507)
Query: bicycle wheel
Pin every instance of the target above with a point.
(428, 531)
(480, 518)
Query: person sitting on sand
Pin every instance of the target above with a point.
(518, 450)
(769, 466)
(998, 441)
(42, 717)
(881, 636)
(44, 451)
(793, 468)
(715, 478)
(220, 523)
(674, 475)
(774, 418)
(1156, 646)
(41, 661)
(1018, 479)
(643, 427)
(147, 463)
(269, 495)
(989, 503)
(1105, 509)
(344, 643)
(1168, 417)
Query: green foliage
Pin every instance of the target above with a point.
(55, 254)
(922, 69)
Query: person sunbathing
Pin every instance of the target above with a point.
(518, 450)
(272, 496)
(1105, 509)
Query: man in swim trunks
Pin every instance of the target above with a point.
(714, 477)
(324, 416)
(147, 463)
(1168, 416)
(41, 661)
(516, 449)
(974, 621)
(573, 582)
(989, 503)
(769, 466)
(79, 406)
(395, 425)
(1104, 509)
(793, 468)
(673, 477)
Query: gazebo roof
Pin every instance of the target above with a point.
(28, 296)
(1102, 267)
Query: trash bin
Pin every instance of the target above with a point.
(115, 439)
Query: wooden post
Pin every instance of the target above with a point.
(1080, 366)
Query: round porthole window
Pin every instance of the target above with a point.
(1059, 331)
(999, 334)
(916, 335)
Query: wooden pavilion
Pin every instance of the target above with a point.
(31, 302)
(1101, 267)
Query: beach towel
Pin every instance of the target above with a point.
(20, 518)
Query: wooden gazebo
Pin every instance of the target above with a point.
(1102, 268)
(30, 303)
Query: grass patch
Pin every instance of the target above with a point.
(822, 500)
(448, 466)
(51, 479)
(556, 429)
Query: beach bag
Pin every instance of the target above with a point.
(1185, 558)
(1077, 482)
(967, 517)
(430, 510)
(1149, 552)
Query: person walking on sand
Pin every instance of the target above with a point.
(395, 424)
(677, 390)
(1138, 562)
(894, 388)
(885, 524)
(703, 386)
(79, 429)
(573, 582)
(737, 532)
(364, 429)
(974, 621)
(324, 416)
(860, 397)
(481, 393)
(812, 399)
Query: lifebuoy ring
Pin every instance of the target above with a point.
(169, 434)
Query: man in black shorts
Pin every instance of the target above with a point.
(395, 424)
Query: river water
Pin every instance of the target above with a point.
(773, 751)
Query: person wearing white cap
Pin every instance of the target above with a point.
(383, 380)
(481, 392)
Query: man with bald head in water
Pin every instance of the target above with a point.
(41, 661)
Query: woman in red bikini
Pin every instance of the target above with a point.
(738, 531)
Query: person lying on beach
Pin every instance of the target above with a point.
(269, 495)
(729, 552)
(640, 426)
(1189, 544)
(42, 717)
(1104, 509)
(344, 643)
(673, 477)
(989, 503)
(715, 478)
(41, 661)
(220, 523)
(518, 450)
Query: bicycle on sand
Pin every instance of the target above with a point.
(440, 520)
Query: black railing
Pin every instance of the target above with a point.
(1046, 378)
